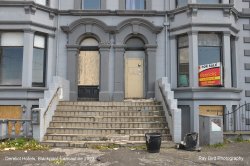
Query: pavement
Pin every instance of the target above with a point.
(230, 154)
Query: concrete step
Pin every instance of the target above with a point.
(91, 103)
(104, 131)
(65, 124)
(107, 108)
(92, 144)
(107, 113)
(86, 124)
(85, 137)
(110, 118)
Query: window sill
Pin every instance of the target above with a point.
(6, 88)
(208, 89)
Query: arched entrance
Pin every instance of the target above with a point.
(134, 69)
(88, 70)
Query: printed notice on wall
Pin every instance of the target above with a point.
(210, 75)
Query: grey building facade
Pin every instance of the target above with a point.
(162, 38)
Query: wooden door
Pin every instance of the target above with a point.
(134, 78)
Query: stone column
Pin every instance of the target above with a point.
(227, 60)
(194, 118)
(72, 68)
(104, 94)
(192, 1)
(225, 1)
(119, 73)
(27, 58)
(193, 59)
(173, 62)
(51, 59)
(151, 56)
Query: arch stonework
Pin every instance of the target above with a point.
(77, 31)
(90, 27)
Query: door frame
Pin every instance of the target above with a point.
(134, 55)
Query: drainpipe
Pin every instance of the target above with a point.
(165, 39)
(167, 50)
(57, 41)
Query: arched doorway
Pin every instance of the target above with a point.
(88, 70)
(134, 69)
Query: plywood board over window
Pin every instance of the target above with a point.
(211, 110)
(88, 73)
(11, 112)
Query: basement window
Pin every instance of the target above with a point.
(43, 2)
(209, 1)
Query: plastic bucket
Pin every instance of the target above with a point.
(153, 142)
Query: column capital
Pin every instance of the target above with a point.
(226, 33)
(120, 48)
(31, 31)
(193, 33)
(72, 48)
(150, 47)
(50, 35)
(104, 46)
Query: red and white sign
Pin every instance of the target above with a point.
(210, 75)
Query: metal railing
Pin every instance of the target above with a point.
(15, 128)
(237, 119)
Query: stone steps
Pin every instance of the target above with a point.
(104, 131)
(91, 144)
(110, 118)
(84, 103)
(110, 108)
(65, 124)
(86, 137)
(85, 124)
(107, 113)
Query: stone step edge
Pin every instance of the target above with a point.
(156, 105)
(154, 116)
(72, 143)
(110, 103)
(156, 122)
(129, 111)
(81, 128)
(125, 101)
(110, 135)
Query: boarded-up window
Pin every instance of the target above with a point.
(211, 110)
(11, 112)
(88, 72)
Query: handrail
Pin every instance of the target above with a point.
(54, 96)
(233, 111)
(165, 101)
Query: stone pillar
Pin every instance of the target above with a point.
(51, 59)
(27, 58)
(119, 73)
(173, 62)
(72, 68)
(104, 94)
(225, 1)
(192, 1)
(193, 59)
(227, 60)
(194, 118)
(151, 56)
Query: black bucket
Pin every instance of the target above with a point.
(153, 142)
